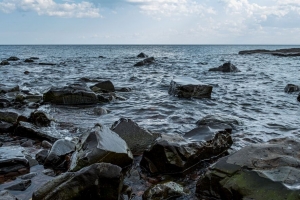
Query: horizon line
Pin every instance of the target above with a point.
(156, 44)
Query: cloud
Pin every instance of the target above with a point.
(51, 8)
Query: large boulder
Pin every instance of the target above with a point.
(146, 61)
(101, 145)
(289, 88)
(175, 154)
(137, 138)
(258, 171)
(187, 87)
(75, 94)
(98, 181)
(226, 67)
(104, 86)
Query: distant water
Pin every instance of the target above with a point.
(255, 95)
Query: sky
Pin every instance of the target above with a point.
(150, 22)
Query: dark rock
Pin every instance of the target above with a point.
(146, 61)
(226, 67)
(41, 156)
(46, 144)
(220, 119)
(98, 181)
(49, 172)
(33, 58)
(298, 98)
(101, 57)
(104, 86)
(29, 176)
(172, 155)
(50, 64)
(28, 143)
(186, 87)
(56, 157)
(106, 97)
(32, 162)
(26, 72)
(142, 55)
(101, 145)
(6, 127)
(289, 88)
(9, 88)
(99, 111)
(137, 138)
(279, 52)
(28, 130)
(28, 60)
(10, 117)
(75, 94)
(258, 171)
(21, 186)
(4, 62)
(39, 118)
(4, 195)
(124, 89)
(167, 190)
(13, 58)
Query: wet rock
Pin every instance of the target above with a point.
(137, 138)
(124, 89)
(29, 176)
(6, 127)
(13, 163)
(28, 60)
(298, 98)
(186, 87)
(101, 57)
(99, 111)
(289, 88)
(146, 61)
(26, 72)
(34, 58)
(10, 117)
(28, 143)
(4, 62)
(226, 67)
(32, 162)
(56, 157)
(28, 130)
(98, 181)
(33, 98)
(50, 64)
(49, 172)
(21, 186)
(5, 195)
(167, 190)
(220, 119)
(106, 97)
(101, 145)
(279, 52)
(142, 55)
(46, 144)
(258, 171)
(104, 86)
(75, 94)
(39, 118)
(9, 88)
(174, 155)
(4, 102)
(13, 58)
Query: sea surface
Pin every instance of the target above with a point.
(255, 96)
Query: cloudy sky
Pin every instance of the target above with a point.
(150, 21)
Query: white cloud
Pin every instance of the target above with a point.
(51, 8)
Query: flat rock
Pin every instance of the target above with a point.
(226, 67)
(49, 64)
(186, 87)
(29, 176)
(289, 88)
(279, 52)
(103, 86)
(146, 61)
(28, 60)
(20, 186)
(258, 171)
(13, 58)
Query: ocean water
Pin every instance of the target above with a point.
(255, 96)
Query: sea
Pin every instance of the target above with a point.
(255, 96)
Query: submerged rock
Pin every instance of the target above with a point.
(28, 60)
(142, 55)
(75, 94)
(101, 145)
(104, 86)
(226, 67)
(50, 64)
(220, 119)
(187, 87)
(98, 181)
(137, 138)
(289, 88)
(258, 171)
(4, 62)
(13, 58)
(146, 61)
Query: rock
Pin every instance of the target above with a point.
(142, 55)
(13, 163)
(137, 138)
(146, 61)
(50, 64)
(26, 72)
(41, 156)
(226, 67)
(29, 176)
(101, 57)
(4, 195)
(258, 171)
(13, 58)
(6, 127)
(99, 111)
(101, 145)
(56, 157)
(124, 89)
(289, 88)
(28, 143)
(49, 172)
(46, 144)
(106, 97)
(75, 94)
(33, 58)
(28, 130)
(21, 186)
(98, 181)
(4, 62)
(104, 86)
(28, 60)
(9, 88)
(173, 155)
(39, 118)
(279, 52)
(298, 98)
(220, 119)
(186, 87)
(10, 117)
(167, 190)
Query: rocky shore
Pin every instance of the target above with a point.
(292, 52)
(127, 161)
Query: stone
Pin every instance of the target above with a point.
(99, 111)
(290, 52)
(28, 143)
(26, 72)
(49, 172)
(104, 86)
(9, 117)
(142, 55)
(298, 98)
(98, 181)
(5, 195)
(13, 58)
(138, 139)
(259, 171)
(124, 89)
(101, 57)
(4, 62)
(186, 87)
(106, 97)
(41, 156)
(75, 94)
(101, 145)
(28, 60)
(6, 127)
(39, 118)
(177, 155)
(219, 118)
(46, 144)
(289, 88)
(20, 186)
(50, 64)
(226, 67)
(29, 176)
(56, 157)
(146, 61)
(167, 190)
